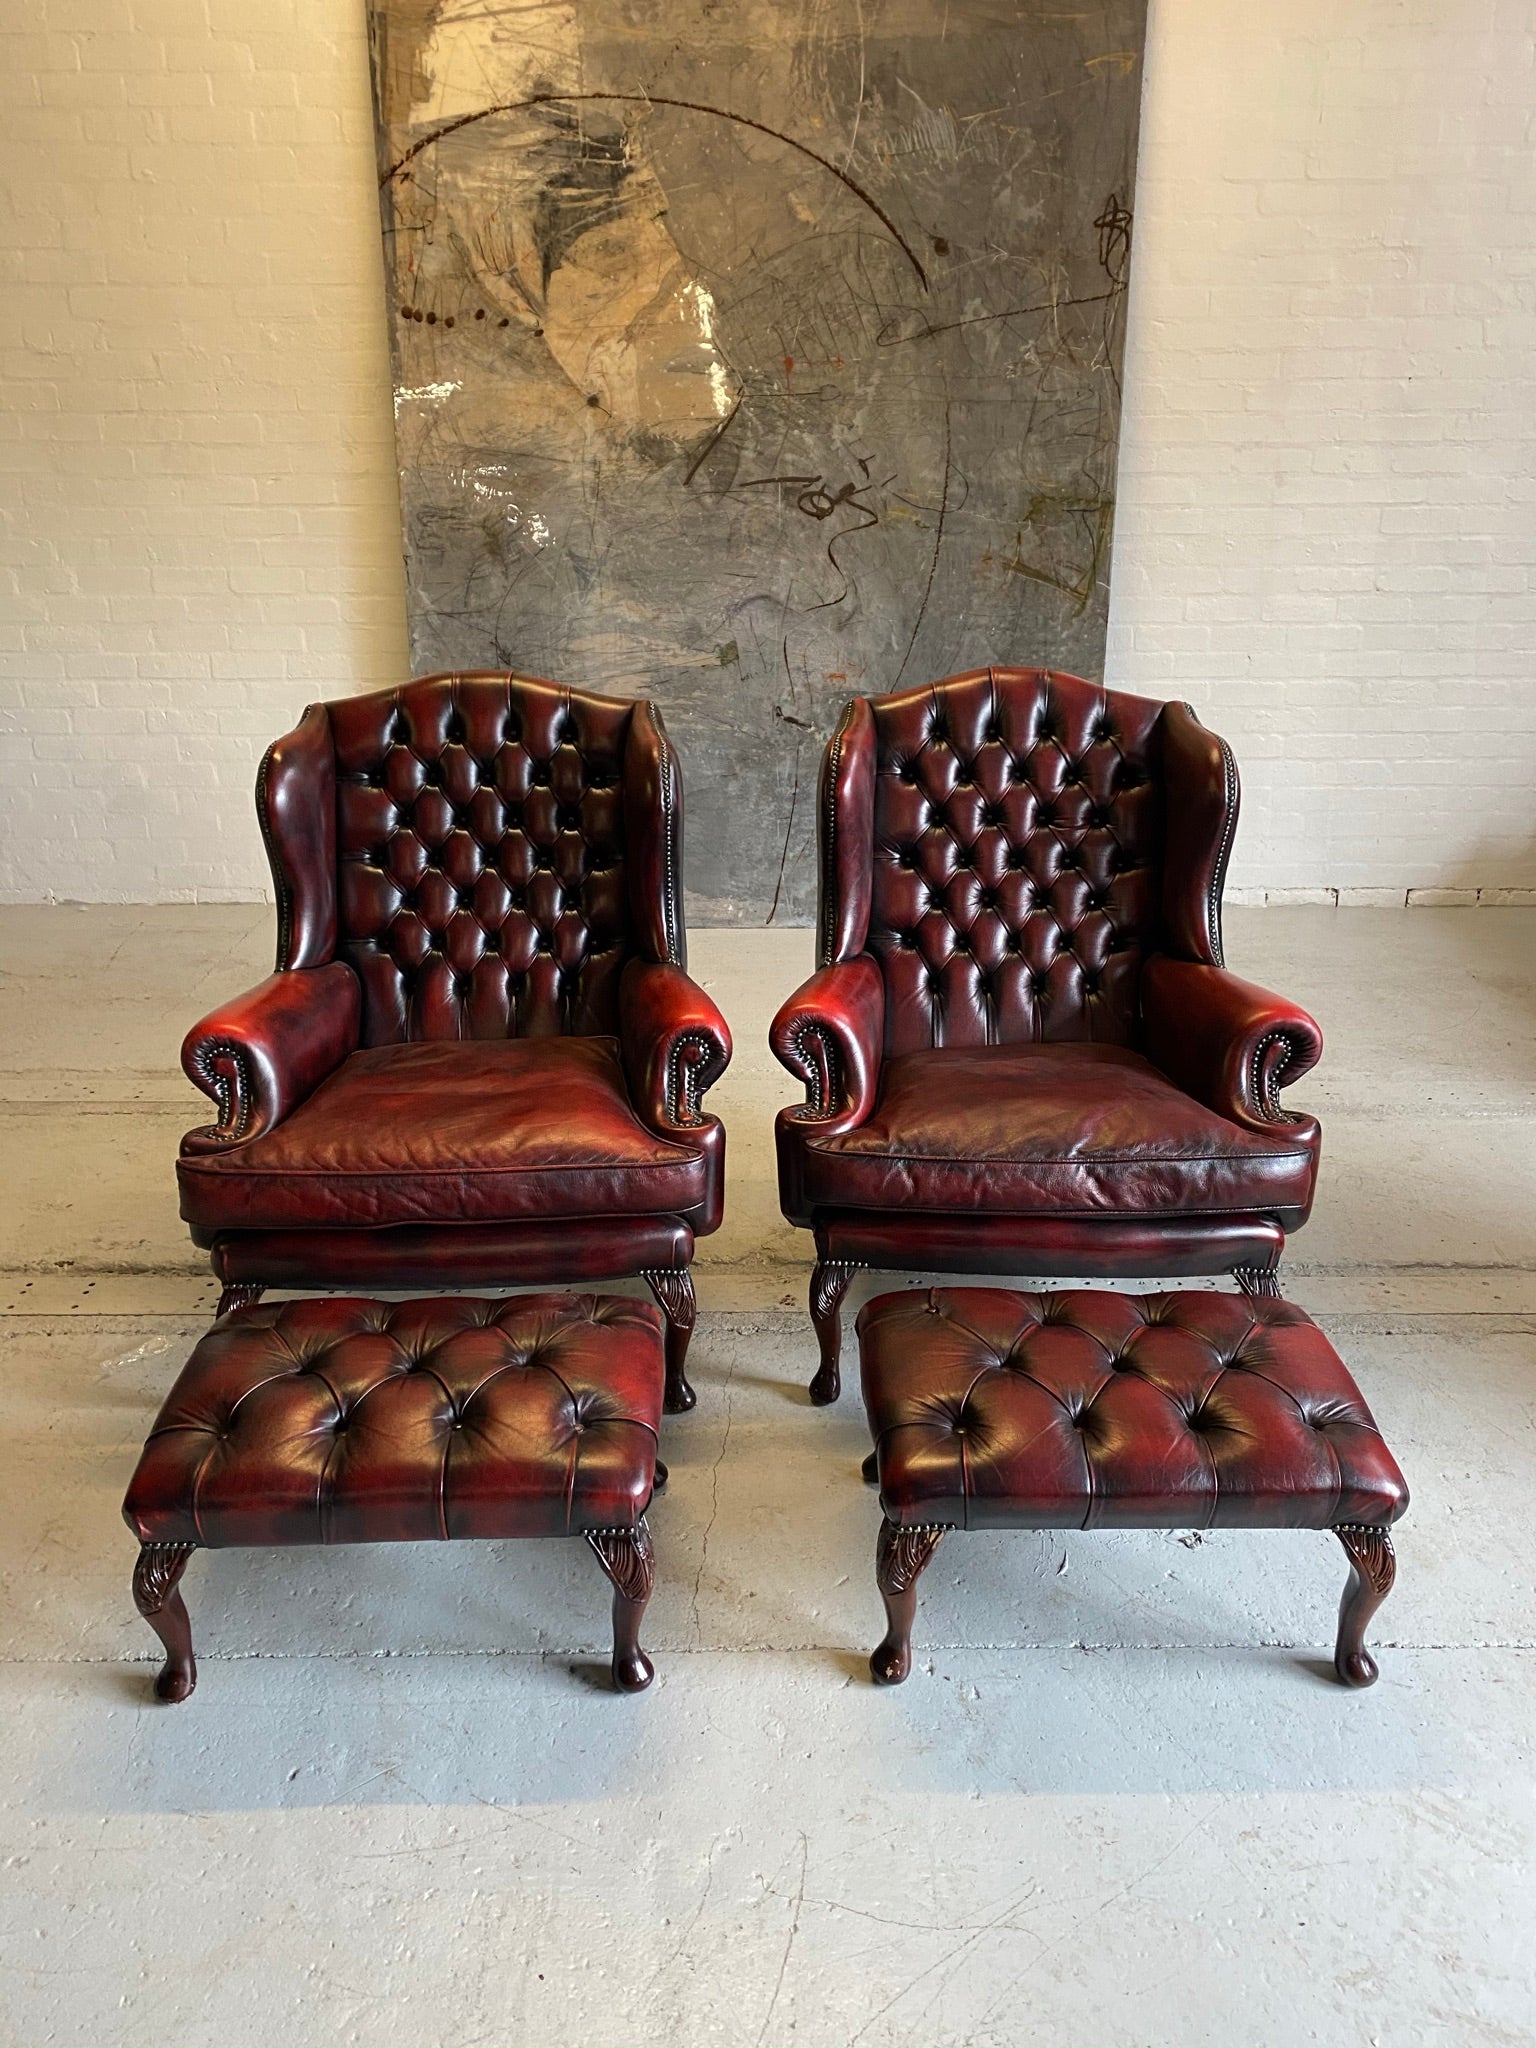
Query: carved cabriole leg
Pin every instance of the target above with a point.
(829, 1283)
(900, 1555)
(1258, 1280)
(673, 1289)
(626, 1556)
(159, 1567)
(1372, 1568)
(240, 1294)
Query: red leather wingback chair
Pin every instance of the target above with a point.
(1021, 1051)
(480, 1060)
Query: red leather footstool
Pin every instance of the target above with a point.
(1087, 1410)
(330, 1421)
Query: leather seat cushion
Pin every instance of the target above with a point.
(1050, 1129)
(1085, 1410)
(347, 1421)
(460, 1131)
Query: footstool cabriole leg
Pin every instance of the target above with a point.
(900, 1556)
(829, 1283)
(1372, 1569)
(240, 1294)
(673, 1289)
(626, 1556)
(155, 1577)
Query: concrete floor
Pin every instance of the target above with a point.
(1118, 1802)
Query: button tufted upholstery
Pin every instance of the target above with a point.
(481, 1013)
(482, 878)
(1083, 1410)
(994, 1410)
(1017, 835)
(377, 1422)
(1020, 1013)
(349, 1421)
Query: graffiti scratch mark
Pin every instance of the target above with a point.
(794, 795)
(655, 99)
(1114, 226)
(713, 442)
(889, 337)
(933, 561)
(1124, 62)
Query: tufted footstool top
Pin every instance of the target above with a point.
(348, 1421)
(1088, 1409)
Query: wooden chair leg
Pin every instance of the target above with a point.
(900, 1556)
(1372, 1569)
(240, 1294)
(869, 1471)
(626, 1556)
(155, 1576)
(829, 1283)
(673, 1289)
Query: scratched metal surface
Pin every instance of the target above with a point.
(751, 353)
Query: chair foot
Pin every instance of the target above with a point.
(239, 1294)
(626, 1556)
(1372, 1569)
(155, 1576)
(1260, 1281)
(659, 1483)
(869, 1471)
(829, 1283)
(900, 1556)
(673, 1289)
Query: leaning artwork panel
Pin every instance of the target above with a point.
(752, 353)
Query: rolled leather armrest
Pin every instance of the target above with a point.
(1229, 1044)
(675, 1044)
(830, 1035)
(261, 1054)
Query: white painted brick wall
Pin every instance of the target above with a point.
(199, 528)
(1328, 513)
(1328, 472)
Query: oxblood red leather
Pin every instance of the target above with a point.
(485, 885)
(676, 1044)
(964, 1242)
(1231, 1045)
(483, 1132)
(1020, 1016)
(1017, 840)
(830, 1035)
(1072, 1129)
(1080, 1410)
(263, 1053)
(431, 1255)
(395, 1422)
(296, 803)
(481, 1018)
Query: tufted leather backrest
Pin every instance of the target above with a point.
(1016, 818)
(502, 847)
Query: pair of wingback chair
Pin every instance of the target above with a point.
(481, 1060)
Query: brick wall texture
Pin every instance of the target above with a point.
(1328, 478)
